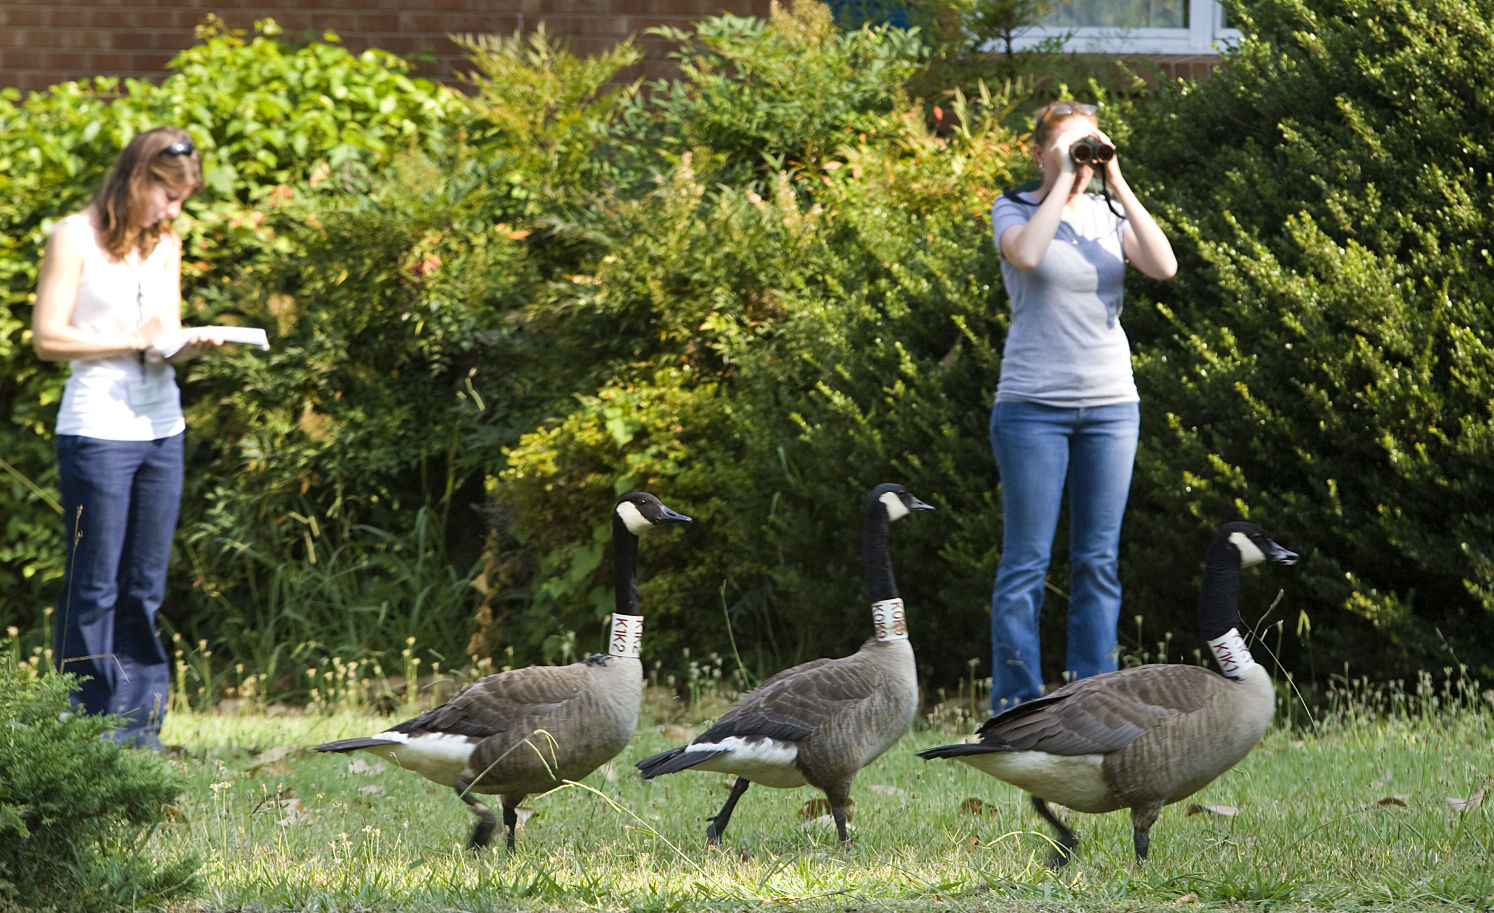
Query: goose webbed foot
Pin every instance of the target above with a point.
(717, 827)
(1066, 840)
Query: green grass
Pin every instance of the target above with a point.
(1347, 814)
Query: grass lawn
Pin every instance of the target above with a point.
(1380, 811)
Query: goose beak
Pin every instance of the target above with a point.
(1276, 554)
(674, 516)
(915, 504)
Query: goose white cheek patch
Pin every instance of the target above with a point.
(627, 635)
(1229, 651)
(888, 620)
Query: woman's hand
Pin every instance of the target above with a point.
(198, 344)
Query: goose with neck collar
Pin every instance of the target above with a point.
(819, 723)
(526, 730)
(1147, 736)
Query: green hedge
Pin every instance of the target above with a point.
(554, 286)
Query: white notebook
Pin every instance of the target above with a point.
(171, 341)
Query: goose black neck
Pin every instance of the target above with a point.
(624, 567)
(1219, 594)
(876, 558)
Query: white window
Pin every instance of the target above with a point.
(1134, 27)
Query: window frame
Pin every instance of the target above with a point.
(1205, 34)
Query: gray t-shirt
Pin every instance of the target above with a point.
(1065, 346)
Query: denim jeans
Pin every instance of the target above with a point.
(119, 502)
(1040, 450)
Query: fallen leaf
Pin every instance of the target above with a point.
(978, 807)
(359, 766)
(1225, 811)
(1463, 805)
(522, 815)
(272, 761)
(827, 822)
(170, 814)
(820, 808)
(1190, 897)
(293, 813)
(1397, 801)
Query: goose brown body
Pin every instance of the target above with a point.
(820, 722)
(528, 730)
(1144, 737)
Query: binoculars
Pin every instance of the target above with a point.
(1091, 150)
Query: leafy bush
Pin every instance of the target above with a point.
(76, 810)
(758, 289)
(1323, 363)
(275, 124)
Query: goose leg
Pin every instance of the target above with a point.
(511, 816)
(1142, 819)
(717, 827)
(1067, 842)
(487, 822)
(838, 800)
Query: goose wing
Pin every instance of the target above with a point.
(1100, 714)
(791, 705)
(516, 700)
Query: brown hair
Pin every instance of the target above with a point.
(164, 155)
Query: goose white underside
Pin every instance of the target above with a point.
(437, 756)
(1075, 782)
(769, 762)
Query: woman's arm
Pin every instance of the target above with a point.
(1024, 246)
(1146, 246)
(53, 336)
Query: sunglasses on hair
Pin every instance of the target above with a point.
(180, 147)
(1065, 108)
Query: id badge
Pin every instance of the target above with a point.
(150, 390)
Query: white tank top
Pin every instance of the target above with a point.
(118, 398)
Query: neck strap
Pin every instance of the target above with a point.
(627, 635)
(888, 620)
(1229, 651)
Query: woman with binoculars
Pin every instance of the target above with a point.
(1066, 413)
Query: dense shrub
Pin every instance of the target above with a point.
(759, 288)
(1323, 361)
(275, 124)
(75, 808)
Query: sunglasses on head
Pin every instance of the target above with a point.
(1065, 108)
(180, 147)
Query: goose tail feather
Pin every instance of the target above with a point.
(354, 744)
(674, 760)
(957, 751)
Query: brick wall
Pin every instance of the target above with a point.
(44, 42)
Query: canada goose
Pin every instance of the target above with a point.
(525, 730)
(820, 722)
(1144, 737)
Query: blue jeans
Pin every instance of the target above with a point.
(119, 502)
(1038, 449)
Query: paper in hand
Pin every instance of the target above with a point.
(171, 341)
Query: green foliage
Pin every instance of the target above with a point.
(277, 126)
(758, 288)
(785, 92)
(1323, 363)
(811, 338)
(76, 810)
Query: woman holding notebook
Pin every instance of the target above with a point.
(108, 300)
